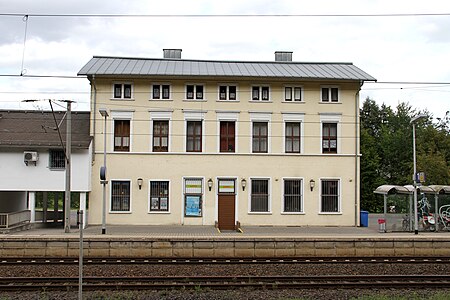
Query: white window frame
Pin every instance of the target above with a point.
(194, 116)
(293, 87)
(260, 86)
(161, 116)
(110, 196)
(261, 117)
(121, 115)
(269, 187)
(123, 91)
(294, 117)
(331, 118)
(232, 116)
(195, 92)
(161, 92)
(329, 87)
(339, 212)
(183, 197)
(302, 212)
(149, 197)
(228, 92)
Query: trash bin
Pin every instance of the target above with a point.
(364, 217)
(381, 225)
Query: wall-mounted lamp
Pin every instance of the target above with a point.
(210, 184)
(243, 183)
(140, 181)
(312, 184)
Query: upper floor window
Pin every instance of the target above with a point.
(292, 93)
(194, 92)
(160, 91)
(330, 199)
(57, 159)
(123, 90)
(122, 135)
(329, 138)
(120, 195)
(330, 94)
(260, 137)
(227, 92)
(260, 93)
(227, 136)
(194, 136)
(161, 136)
(292, 137)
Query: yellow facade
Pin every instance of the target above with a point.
(177, 164)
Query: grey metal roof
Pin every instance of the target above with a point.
(34, 129)
(122, 66)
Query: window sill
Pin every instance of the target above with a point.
(159, 212)
(293, 213)
(121, 99)
(260, 101)
(330, 213)
(120, 212)
(296, 102)
(232, 101)
(57, 169)
(329, 102)
(162, 100)
(195, 100)
(259, 213)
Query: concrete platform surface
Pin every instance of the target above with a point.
(210, 232)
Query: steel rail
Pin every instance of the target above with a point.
(263, 260)
(224, 282)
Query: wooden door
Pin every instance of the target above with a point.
(226, 212)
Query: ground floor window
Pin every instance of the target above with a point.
(293, 195)
(159, 196)
(329, 195)
(259, 195)
(193, 194)
(120, 195)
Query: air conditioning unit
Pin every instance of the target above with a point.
(30, 156)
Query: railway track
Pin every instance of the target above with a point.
(13, 284)
(287, 260)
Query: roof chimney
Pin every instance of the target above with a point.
(283, 55)
(172, 53)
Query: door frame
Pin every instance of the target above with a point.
(236, 197)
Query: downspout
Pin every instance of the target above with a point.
(357, 177)
(94, 110)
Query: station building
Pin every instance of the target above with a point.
(225, 143)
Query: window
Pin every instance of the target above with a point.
(120, 195)
(293, 195)
(292, 137)
(57, 159)
(260, 93)
(159, 196)
(193, 191)
(194, 136)
(227, 92)
(330, 94)
(194, 92)
(260, 137)
(160, 91)
(227, 136)
(329, 195)
(122, 90)
(160, 136)
(292, 93)
(122, 135)
(259, 195)
(329, 137)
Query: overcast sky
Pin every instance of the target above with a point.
(390, 48)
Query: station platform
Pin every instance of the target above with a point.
(208, 242)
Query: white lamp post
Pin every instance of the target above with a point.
(103, 180)
(416, 216)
